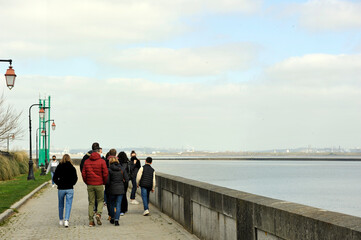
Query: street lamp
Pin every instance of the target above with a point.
(9, 75)
(43, 133)
(31, 163)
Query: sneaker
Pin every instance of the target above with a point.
(91, 224)
(116, 223)
(66, 223)
(53, 185)
(61, 222)
(97, 217)
(112, 221)
(133, 201)
(121, 214)
(146, 213)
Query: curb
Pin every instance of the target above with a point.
(10, 211)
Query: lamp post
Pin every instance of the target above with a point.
(10, 74)
(12, 135)
(43, 133)
(31, 163)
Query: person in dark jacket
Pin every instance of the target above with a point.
(112, 153)
(134, 167)
(95, 175)
(146, 181)
(124, 162)
(65, 177)
(116, 179)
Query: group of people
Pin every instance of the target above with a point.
(112, 171)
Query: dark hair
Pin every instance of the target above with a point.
(54, 156)
(123, 158)
(148, 160)
(112, 152)
(95, 146)
(132, 152)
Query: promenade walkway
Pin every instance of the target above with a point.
(38, 219)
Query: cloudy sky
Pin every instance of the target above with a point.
(209, 74)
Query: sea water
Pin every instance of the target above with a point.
(330, 185)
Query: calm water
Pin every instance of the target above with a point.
(334, 186)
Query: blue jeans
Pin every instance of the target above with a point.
(134, 188)
(62, 194)
(115, 201)
(145, 197)
(52, 177)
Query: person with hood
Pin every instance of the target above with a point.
(65, 177)
(124, 162)
(51, 168)
(95, 175)
(116, 189)
(134, 167)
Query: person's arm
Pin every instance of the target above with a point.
(105, 172)
(75, 176)
(153, 188)
(139, 175)
(83, 174)
(48, 169)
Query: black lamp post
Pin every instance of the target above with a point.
(31, 163)
(10, 74)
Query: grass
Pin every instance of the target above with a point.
(13, 190)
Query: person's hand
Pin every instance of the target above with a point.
(152, 190)
(135, 161)
(138, 186)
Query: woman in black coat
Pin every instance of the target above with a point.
(116, 178)
(134, 167)
(65, 177)
(124, 162)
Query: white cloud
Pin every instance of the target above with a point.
(87, 28)
(187, 61)
(328, 15)
(318, 70)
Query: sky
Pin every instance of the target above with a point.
(230, 75)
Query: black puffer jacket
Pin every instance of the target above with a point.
(116, 179)
(65, 176)
(134, 168)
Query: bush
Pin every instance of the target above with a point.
(13, 165)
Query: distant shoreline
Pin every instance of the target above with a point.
(278, 158)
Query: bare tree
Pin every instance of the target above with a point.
(9, 122)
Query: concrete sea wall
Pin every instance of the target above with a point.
(213, 212)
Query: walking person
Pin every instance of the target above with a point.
(124, 162)
(51, 168)
(134, 168)
(112, 153)
(65, 177)
(116, 190)
(95, 175)
(146, 181)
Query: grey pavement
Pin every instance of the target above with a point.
(38, 219)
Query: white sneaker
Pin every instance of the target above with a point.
(66, 223)
(146, 213)
(135, 202)
(122, 214)
(61, 222)
(53, 185)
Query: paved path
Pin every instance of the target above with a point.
(38, 219)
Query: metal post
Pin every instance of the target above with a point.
(37, 148)
(31, 171)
